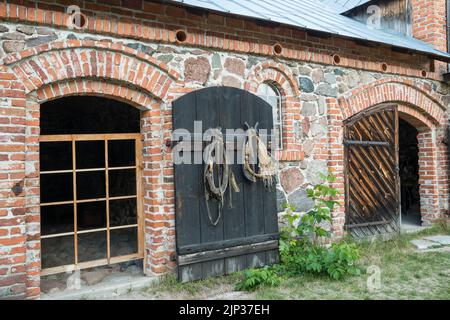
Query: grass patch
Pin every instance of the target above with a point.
(405, 274)
(169, 287)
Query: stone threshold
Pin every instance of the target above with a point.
(121, 286)
(432, 242)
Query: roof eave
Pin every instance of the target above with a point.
(445, 57)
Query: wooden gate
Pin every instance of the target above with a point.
(247, 234)
(371, 172)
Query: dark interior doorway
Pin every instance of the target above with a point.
(88, 115)
(89, 183)
(409, 175)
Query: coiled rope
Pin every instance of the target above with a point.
(261, 156)
(215, 155)
(217, 149)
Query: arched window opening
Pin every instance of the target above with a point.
(90, 169)
(88, 115)
(270, 93)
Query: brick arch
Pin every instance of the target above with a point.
(74, 59)
(418, 105)
(414, 117)
(93, 87)
(283, 79)
(416, 95)
(273, 72)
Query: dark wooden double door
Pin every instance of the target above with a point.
(247, 232)
(372, 172)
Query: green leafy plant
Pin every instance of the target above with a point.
(300, 247)
(255, 278)
(307, 229)
(340, 260)
(337, 261)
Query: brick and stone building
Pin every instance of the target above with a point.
(147, 54)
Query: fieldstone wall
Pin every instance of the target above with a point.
(16, 38)
(316, 82)
(201, 68)
(314, 106)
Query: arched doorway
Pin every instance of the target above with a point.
(90, 183)
(382, 171)
(372, 189)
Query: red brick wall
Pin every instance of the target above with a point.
(68, 67)
(427, 176)
(147, 20)
(429, 22)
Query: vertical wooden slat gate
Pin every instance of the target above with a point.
(247, 234)
(371, 172)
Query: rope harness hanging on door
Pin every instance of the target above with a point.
(217, 150)
(261, 156)
(215, 155)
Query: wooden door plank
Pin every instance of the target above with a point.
(363, 156)
(207, 104)
(190, 272)
(269, 192)
(234, 217)
(227, 252)
(368, 178)
(208, 111)
(187, 194)
(370, 191)
(253, 191)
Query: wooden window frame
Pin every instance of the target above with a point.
(73, 138)
(277, 111)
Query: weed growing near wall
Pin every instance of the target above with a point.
(301, 250)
